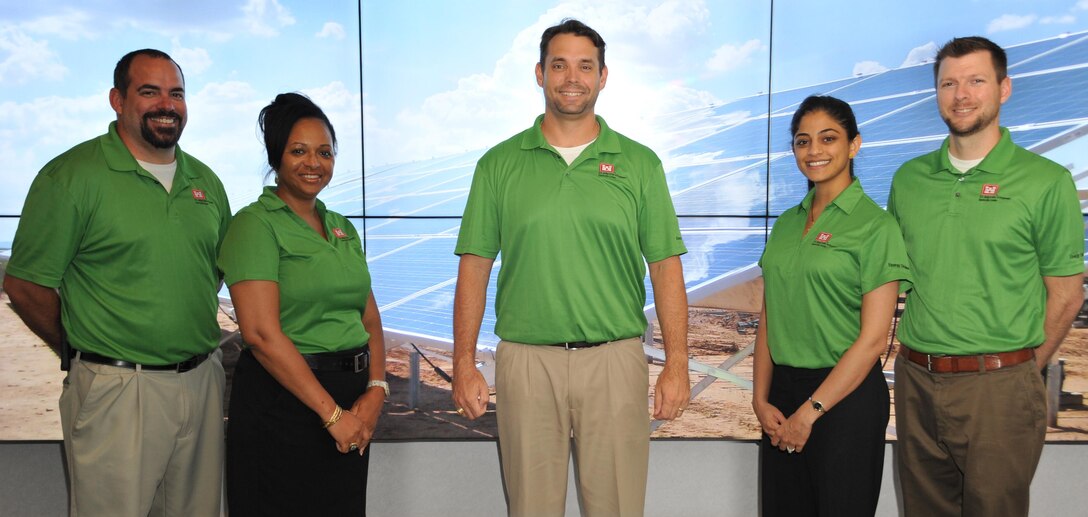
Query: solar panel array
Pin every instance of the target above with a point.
(726, 171)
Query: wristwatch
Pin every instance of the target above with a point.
(818, 406)
(384, 385)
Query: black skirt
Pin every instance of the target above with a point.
(280, 461)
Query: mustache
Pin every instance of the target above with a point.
(162, 113)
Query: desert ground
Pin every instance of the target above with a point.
(31, 383)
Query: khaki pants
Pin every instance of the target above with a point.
(142, 443)
(598, 396)
(968, 443)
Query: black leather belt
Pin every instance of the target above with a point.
(355, 360)
(181, 367)
(575, 345)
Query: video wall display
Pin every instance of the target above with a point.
(418, 91)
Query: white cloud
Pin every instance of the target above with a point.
(730, 57)
(1064, 19)
(24, 59)
(923, 54)
(868, 67)
(266, 17)
(33, 132)
(647, 41)
(1008, 22)
(193, 61)
(1082, 5)
(71, 24)
(332, 30)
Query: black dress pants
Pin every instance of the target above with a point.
(839, 471)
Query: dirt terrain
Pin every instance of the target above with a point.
(31, 382)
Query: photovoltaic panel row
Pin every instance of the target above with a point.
(1064, 52)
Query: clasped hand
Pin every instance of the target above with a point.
(356, 425)
(787, 434)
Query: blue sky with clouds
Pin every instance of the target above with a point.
(443, 77)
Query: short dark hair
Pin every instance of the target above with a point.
(575, 27)
(835, 108)
(278, 118)
(959, 47)
(121, 79)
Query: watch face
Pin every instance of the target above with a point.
(817, 406)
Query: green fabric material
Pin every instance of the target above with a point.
(814, 283)
(135, 264)
(323, 284)
(573, 238)
(979, 245)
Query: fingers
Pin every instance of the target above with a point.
(670, 397)
(471, 395)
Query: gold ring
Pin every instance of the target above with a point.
(353, 446)
(461, 411)
(790, 450)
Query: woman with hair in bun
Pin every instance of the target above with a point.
(310, 384)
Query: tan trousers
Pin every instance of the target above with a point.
(598, 396)
(144, 443)
(968, 442)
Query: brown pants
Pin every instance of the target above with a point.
(968, 442)
(546, 396)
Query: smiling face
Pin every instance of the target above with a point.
(969, 95)
(823, 150)
(151, 114)
(307, 162)
(571, 77)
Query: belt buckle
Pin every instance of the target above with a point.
(929, 361)
(365, 361)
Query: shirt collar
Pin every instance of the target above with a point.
(607, 141)
(845, 201)
(271, 202)
(995, 162)
(119, 158)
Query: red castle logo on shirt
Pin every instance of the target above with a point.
(823, 237)
(990, 190)
(199, 195)
(607, 168)
(340, 234)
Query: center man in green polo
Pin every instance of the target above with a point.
(994, 234)
(575, 209)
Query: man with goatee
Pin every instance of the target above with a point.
(113, 266)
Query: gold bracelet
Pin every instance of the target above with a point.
(336, 414)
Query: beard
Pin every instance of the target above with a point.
(162, 138)
(983, 121)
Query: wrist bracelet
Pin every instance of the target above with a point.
(818, 406)
(336, 414)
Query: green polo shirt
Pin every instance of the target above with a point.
(135, 264)
(813, 283)
(979, 245)
(324, 283)
(573, 238)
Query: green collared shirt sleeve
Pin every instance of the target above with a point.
(50, 229)
(658, 229)
(249, 251)
(1058, 231)
(479, 226)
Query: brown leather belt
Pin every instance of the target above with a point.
(967, 363)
